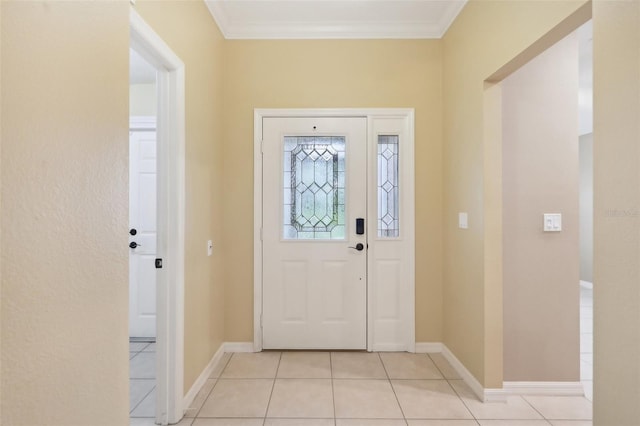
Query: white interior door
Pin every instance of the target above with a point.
(142, 221)
(314, 189)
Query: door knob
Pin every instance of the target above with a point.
(133, 244)
(133, 231)
(358, 247)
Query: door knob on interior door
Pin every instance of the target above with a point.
(133, 244)
(358, 247)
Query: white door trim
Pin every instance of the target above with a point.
(171, 217)
(142, 122)
(409, 218)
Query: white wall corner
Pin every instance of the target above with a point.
(429, 347)
(544, 388)
(202, 378)
(238, 347)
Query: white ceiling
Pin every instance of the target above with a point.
(333, 19)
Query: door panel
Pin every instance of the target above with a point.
(333, 298)
(388, 275)
(391, 237)
(314, 187)
(294, 289)
(142, 218)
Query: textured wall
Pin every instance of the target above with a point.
(64, 213)
(541, 175)
(616, 132)
(485, 37)
(332, 74)
(188, 28)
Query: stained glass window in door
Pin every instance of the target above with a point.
(388, 191)
(314, 188)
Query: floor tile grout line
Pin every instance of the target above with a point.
(212, 388)
(333, 392)
(273, 386)
(534, 408)
(436, 366)
(384, 367)
(140, 402)
(463, 401)
(217, 379)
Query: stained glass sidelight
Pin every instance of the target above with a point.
(388, 192)
(314, 187)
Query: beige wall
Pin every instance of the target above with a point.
(143, 100)
(1, 262)
(616, 44)
(586, 207)
(64, 144)
(485, 37)
(64, 214)
(541, 175)
(329, 74)
(188, 28)
(64, 221)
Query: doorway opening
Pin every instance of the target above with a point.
(142, 236)
(531, 128)
(168, 264)
(585, 125)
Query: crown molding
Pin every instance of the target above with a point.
(332, 30)
(450, 15)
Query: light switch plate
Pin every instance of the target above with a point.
(209, 248)
(552, 222)
(463, 220)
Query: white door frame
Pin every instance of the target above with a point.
(170, 215)
(371, 114)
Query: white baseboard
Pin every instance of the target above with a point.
(238, 347)
(202, 378)
(428, 347)
(544, 388)
(586, 284)
(215, 360)
(485, 395)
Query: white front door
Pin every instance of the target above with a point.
(142, 238)
(314, 233)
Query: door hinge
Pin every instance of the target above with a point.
(158, 263)
(260, 320)
(262, 146)
(261, 234)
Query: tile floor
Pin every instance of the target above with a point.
(142, 379)
(356, 389)
(586, 338)
(360, 389)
